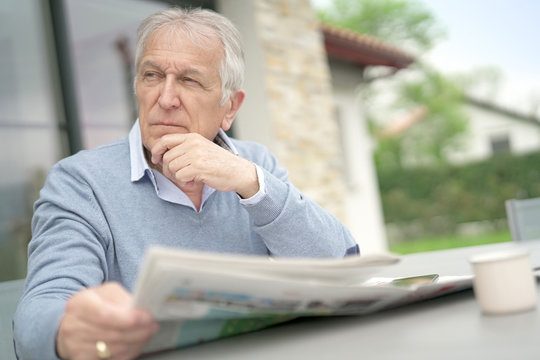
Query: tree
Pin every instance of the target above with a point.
(431, 103)
(406, 24)
(436, 120)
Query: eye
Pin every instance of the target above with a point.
(190, 81)
(149, 75)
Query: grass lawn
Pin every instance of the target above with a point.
(448, 242)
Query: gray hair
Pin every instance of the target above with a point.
(199, 24)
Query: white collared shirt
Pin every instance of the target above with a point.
(164, 187)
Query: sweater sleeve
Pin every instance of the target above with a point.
(293, 225)
(65, 255)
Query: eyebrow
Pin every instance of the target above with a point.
(148, 63)
(188, 71)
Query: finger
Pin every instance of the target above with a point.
(174, 159)
(211, 166)
(107, 306)
(186, 175)
(128, 343)
(120, 318)
(114, 293)
(134, 335)
(157, 152)
(75, 328)
(119, 299)
(164, 144)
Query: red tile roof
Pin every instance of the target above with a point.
(361, 49)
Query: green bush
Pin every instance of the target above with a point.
(441, 198)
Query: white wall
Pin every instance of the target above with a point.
(364, 210)
(484, 125)
(253, 122)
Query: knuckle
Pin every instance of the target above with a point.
(114, 338)
(166, 158)
(178, 175)
(67, 330)
(102, 317)
(171, 167)
(119, 350)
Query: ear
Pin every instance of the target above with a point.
(235, 101)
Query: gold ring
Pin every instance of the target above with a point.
(102, 350)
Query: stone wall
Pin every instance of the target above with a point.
(299, 95)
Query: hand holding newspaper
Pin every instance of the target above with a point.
(202, 296)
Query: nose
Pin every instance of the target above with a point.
(169, 97)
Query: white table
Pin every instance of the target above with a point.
(450, 327)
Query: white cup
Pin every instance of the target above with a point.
(504, 281)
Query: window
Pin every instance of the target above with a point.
(31, 133)
(101, 45)
(500, 144)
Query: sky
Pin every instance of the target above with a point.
(495, 33)
(499, 33)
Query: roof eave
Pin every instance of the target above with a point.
(362, 50)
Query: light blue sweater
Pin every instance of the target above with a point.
(92, 224)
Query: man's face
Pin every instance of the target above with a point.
(179, 88)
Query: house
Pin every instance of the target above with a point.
(494, 128)
(491, 129)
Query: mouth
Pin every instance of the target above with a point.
(171, 127)
(165, 123)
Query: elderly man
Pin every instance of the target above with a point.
(177, 180)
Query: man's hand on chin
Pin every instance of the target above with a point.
(188, 159)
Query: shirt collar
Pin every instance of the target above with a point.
(139, 165)
(225, 142)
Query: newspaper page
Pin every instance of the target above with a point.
(198, 297)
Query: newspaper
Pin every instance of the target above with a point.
(198, 297)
